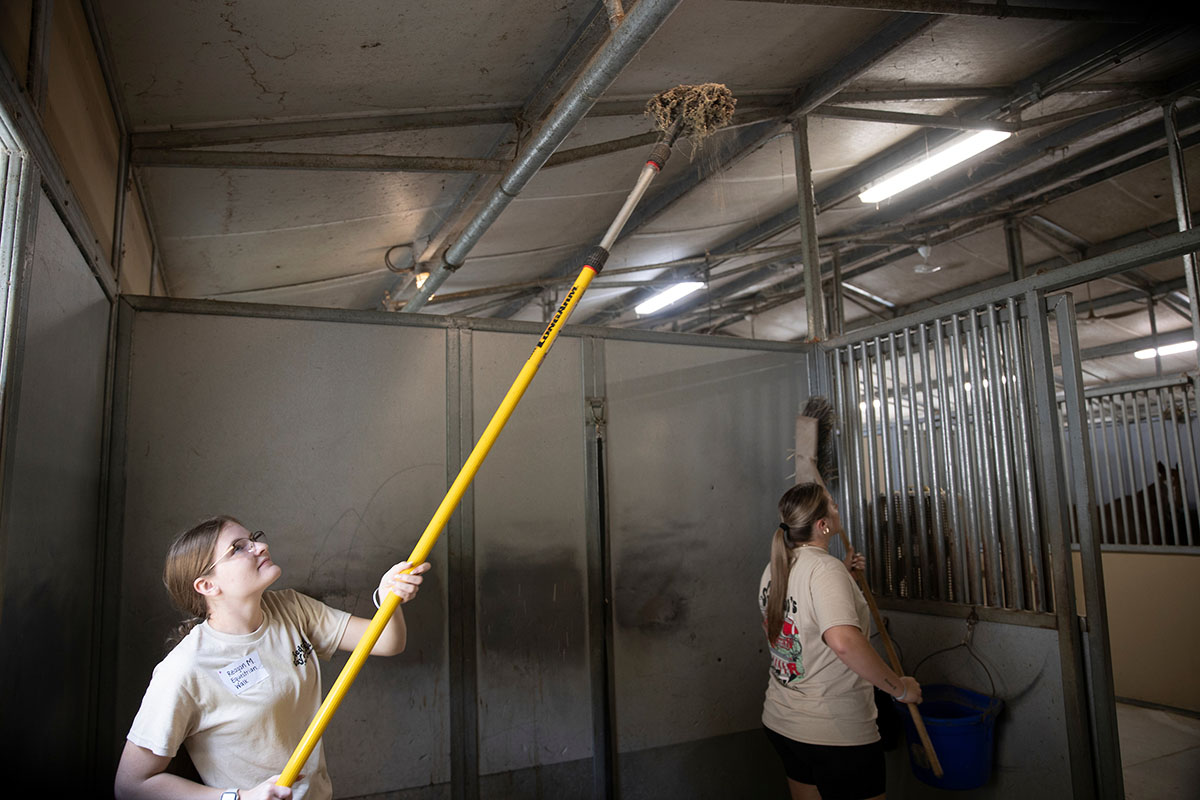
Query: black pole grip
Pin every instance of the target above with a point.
(659, 155)
(596, 258)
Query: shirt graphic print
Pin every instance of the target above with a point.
(787, 657)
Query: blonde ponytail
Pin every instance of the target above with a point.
(799, 508)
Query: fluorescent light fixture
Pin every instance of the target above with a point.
(931, 165)
(667, 296)
(1167, 350)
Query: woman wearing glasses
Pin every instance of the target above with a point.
(242, 682)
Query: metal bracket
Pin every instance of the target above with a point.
(598, 407)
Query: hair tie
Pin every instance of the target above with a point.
(783, 526)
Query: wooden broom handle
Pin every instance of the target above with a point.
(895, 659)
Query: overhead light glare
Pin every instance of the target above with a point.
(932, 164)
(667, 297)
(1167, 350)
(421, 278)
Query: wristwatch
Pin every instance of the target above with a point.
(230, 794)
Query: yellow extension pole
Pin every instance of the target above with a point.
(441, 517)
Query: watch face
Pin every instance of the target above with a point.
(232, 794)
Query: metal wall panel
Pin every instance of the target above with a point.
(51, 515)
(332, 438)
(531, 563)
(1031, 732)
(699, 441)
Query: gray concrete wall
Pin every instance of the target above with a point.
(50, 520)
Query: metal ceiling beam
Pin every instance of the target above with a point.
(1093, 12)
(1063, 178)
(729, 150)
(1133, 345)
(332, 127)
(343, 162)
(1058, 76)
(639, 25)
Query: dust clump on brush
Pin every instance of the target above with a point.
(703, 108)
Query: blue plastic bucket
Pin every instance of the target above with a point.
(961, 725)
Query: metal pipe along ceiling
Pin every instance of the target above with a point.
(625, 42)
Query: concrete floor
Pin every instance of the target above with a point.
(1160, 753)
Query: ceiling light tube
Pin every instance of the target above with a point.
(932, 164)
(1167, 350)
(667, 297)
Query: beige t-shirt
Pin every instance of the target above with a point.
(811, 695)
(242, 702)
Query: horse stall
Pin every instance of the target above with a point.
(583, 623)
(952, 481)
(1145, 439)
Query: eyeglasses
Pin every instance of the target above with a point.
(237, 547)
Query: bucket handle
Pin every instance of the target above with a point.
(965, 643)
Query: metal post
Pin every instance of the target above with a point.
(1054, 509)
(808, 231)
(601, 650)
(1012, 244)
(460, 555)
(1183, 213)
(1106, 746)
(839, 301)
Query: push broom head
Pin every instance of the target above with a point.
(694, 111)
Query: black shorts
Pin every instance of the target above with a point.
(851, 772)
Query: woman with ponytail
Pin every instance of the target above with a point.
(819, 711)
(241, 682)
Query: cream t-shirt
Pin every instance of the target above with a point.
(811, 695)
(242, 702)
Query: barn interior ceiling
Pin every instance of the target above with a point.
(333, 155)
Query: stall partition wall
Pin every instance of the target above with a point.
(51, 509)
(699, 441)
(951, 473)
(554, 625)
(1149, 533)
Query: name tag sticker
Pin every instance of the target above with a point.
(241, 675)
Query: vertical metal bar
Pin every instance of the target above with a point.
(1012, 245)
(601, 651)
(1014, 588)
(864, 456)
(968, 458)
(1133, 524)
(887, 440)
(920, 477)
(938, 574)
(1107, 749)
(1185, 390)
(1034, 564)
(1070, 468)
(840, 403)
(1147, 511)
(460, 556)
(1089, 408)
(1108, 475)
(950, 423)
(1166, 400)
(1054, 509)
(1183, 213)
(902, 458)
(813, 304)
(1153, 492)
(839, 299)
(875, 564)
(991, 539)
